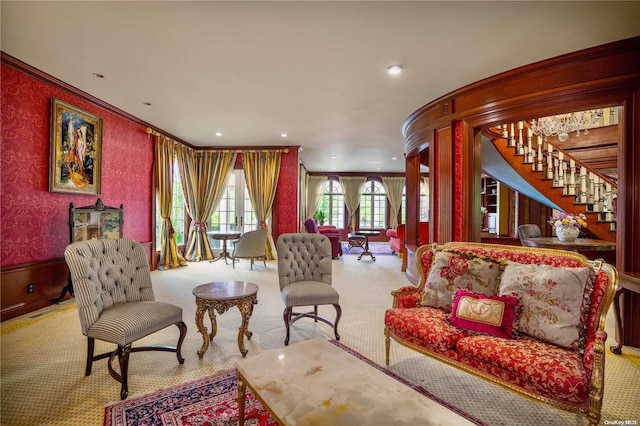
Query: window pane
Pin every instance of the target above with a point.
(332, 203)
(178, 212)
(373, 206)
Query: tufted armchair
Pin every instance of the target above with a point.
(115, 301)
(304, 271)
(329, 231)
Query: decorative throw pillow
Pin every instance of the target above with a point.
(495, 315)
(551, 299)
(451, 271)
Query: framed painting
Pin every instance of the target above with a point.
(76, 150)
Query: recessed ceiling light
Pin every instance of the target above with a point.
(394, 69)
(147, 103)
(377, 168)
(218, 134)
(333, 156)
(98, 75)
(283, 135)
(394, 158)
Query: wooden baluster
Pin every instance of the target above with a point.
(591, 188)
(540, 157)
(530, 152)
(598, 199)
(505, 132)
(572, 177)
(520, 149)
(583, 185)
(549, 161)
(608, 193)
(512, 137)
(560, 182)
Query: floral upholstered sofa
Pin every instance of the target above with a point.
(530, 320)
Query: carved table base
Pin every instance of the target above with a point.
(220, 296)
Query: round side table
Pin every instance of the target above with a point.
(220, 296)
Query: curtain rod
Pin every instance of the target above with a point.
(153, 132)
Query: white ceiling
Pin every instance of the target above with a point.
(313, 70)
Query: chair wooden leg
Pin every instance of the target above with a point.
(287, 320)
(335, 324)
(90, 349)
(183, 333)
(123, 359)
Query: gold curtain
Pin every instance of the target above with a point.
(351, 191)
(170, 257)
(393, 186)
(315, 185)
(261, 171)
(204, 179)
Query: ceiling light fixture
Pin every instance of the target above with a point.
(98, 75)
(563, 124)
(283, 135)
(394, 69)
(218, 134)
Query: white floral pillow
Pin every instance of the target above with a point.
(451, 271)
(551, 299)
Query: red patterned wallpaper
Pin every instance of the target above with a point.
(33, 221)
(458, 156)
(287, 195)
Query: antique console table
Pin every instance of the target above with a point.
(221, 296)
(627, 330)
(577, 245)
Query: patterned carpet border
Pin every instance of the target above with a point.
(378, 249)
(212, 400)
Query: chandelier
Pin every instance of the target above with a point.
(563, 124)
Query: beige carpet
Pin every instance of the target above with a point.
(43, 354)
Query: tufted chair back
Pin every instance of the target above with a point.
(303, 257)
(107, 272)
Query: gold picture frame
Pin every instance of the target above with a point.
(75, 150)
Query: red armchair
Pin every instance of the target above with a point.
(329, 231)
(396, 236)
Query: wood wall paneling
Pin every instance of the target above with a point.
(48, 278)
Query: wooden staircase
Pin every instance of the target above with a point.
(571, 185)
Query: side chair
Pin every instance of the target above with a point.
(250, 245)
(527, 231)
(115, 300)
(304, 272)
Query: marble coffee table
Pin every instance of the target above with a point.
(316, 382)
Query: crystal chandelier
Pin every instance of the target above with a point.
(563, 124)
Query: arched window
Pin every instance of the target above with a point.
(332, 203)
(373, 206)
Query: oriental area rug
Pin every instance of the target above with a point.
(213, 401)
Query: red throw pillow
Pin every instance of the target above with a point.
(494, 315)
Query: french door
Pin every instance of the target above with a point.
(235, 212)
